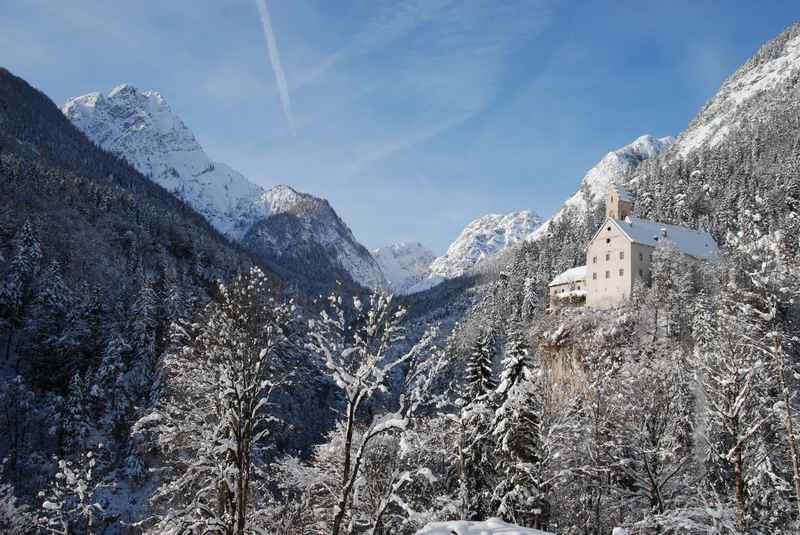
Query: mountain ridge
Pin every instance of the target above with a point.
(140, 127)
(404, 264)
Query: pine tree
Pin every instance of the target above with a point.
(143, 329)
(46, 350)
(518, 497)
(17, 286)
(76, 417)
(478, 375)
(476, 444)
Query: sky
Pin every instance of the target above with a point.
(412, 117)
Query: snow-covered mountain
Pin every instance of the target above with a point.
(483, 238)
(304, 235)
(490, 235)
(404, 264)
(611, 169)
(140, 127)
(773, 70)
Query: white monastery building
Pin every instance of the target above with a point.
(620, 252)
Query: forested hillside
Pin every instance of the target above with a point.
(96, 261)
(156, 379)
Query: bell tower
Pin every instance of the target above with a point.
(619, 203)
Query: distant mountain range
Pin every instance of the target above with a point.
(298, 234)
(404, 264)
(295, 233)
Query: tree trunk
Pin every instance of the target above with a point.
(462, 471)
(346, 479)
(348, 441)
(738, 469)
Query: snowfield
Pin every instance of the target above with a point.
(493, 526)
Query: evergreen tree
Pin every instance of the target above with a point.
(17, 285)
(478, 375)
(518, 497)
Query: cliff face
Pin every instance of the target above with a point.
(576, 346)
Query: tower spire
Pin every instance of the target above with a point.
(619, 203)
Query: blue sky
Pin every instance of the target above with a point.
(411, 117)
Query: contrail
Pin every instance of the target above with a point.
(275, 59)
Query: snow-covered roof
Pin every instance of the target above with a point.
(493, 526)
(571, 275)
(696, 243)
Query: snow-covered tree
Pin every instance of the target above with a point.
(76, 422)
(213, 423)
(143, 329)
(478, 375)
(16, 287)
(733, 377)
(15, 517)
(476, 445)
(518, 496)
(71, 504)
(653, 451)
(360, 354)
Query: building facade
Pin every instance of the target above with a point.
(620, 253)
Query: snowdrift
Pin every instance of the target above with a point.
(493, 526)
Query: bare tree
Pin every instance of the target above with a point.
(361, 353)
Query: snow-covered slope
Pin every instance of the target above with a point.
(612, 168)
(286, 228)
(140, 127)
(303, 234)
(742, 96)
(483, 238)
(493, 526)
(404, 264)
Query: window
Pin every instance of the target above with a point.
(608, 274)
(608, 257)
(621, 272)
(641, 275)
(608, 240)
(641, 257)
(594, 276)
(621, 255)
(594, 260)
(608, 229)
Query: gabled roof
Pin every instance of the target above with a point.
(696, 243)
(575, 274)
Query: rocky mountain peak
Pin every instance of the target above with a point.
(140, 127)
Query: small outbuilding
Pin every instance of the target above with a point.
(569, 287)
